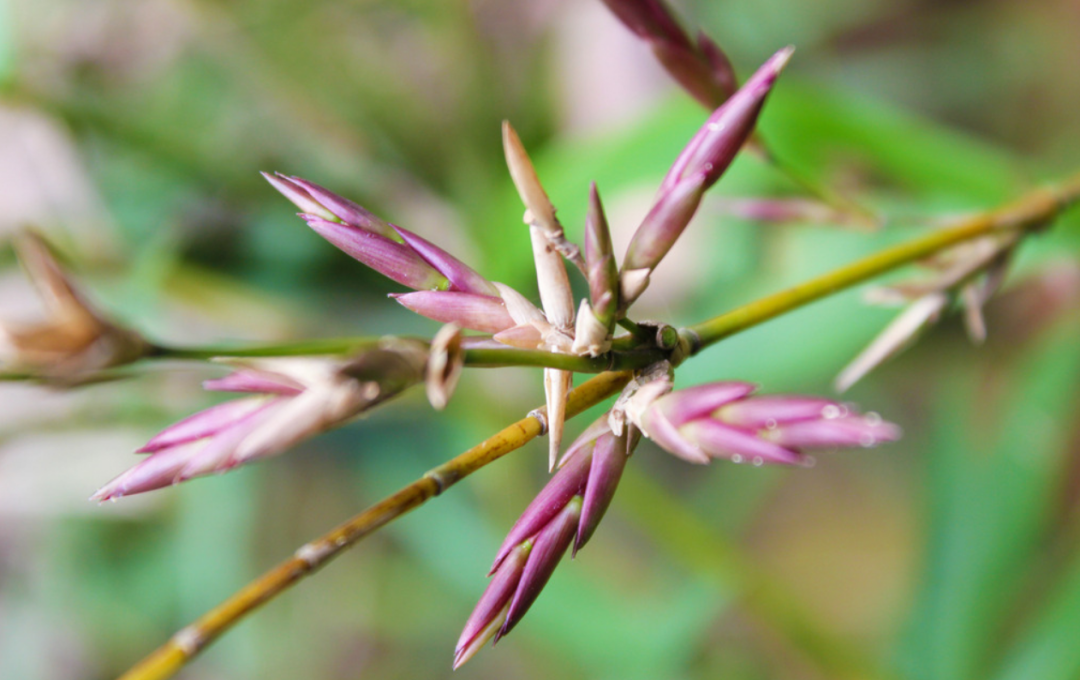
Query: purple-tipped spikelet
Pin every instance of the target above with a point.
(703, 69)
(566, 512)
(721, 420)
(708, 154)
(294, 398)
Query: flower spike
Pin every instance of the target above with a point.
(293, 398)
(721, 420)
(566, 512)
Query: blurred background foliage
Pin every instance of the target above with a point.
(132, 132)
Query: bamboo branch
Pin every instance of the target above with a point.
(1031, 211)
(188, 642)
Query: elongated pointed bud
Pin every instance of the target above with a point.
(716, 144)
(567, 482)
(556, 390)
(603, 271)
(477, 312)
(708, 154)
(897, 335)
(664, 224)
(461, 276)
(527, 183)
(548, 548)
(610, 454)
(490, 613)
(395, 261)
(315, 200)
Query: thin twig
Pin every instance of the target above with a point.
(1031, 211)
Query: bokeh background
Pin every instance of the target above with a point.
(132, 133)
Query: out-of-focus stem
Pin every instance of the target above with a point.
(1031, 211)
(185, 644)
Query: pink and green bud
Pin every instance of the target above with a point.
(664, 224)
(708, 154)
(602, 270)
(549, 546)
(567, 482)
(461, 276)
(721, 420)
(482, 313)
(313, 199)
(493, 605)
(609, 457)
(395, 261)
(715, 145)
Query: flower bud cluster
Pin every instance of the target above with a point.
(723, 420)
(291, 399)
(566, 512)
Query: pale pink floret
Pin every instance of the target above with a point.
(721, 420)
(296, 398)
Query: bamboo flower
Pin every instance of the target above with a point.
(293, 398)
(566, 512)
(722, 420)
(75, 340)
(701, 163)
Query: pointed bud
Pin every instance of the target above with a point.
(528, 184)
(904, 328)
(556, 390)
(477, 312)
(716, 144)
(664, 224)
(548, 548)
(602, 270)
(758, 413)
(445, 361)
(462, 277)
(393, 260)
(314, 200)
(567, 482)
(826, 433)
(610, 454)
(521, 336)
(493, 605)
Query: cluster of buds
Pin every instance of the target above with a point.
(969, 274)
(75, 341)
(723, 420)
(291, 399)
(566, 512)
